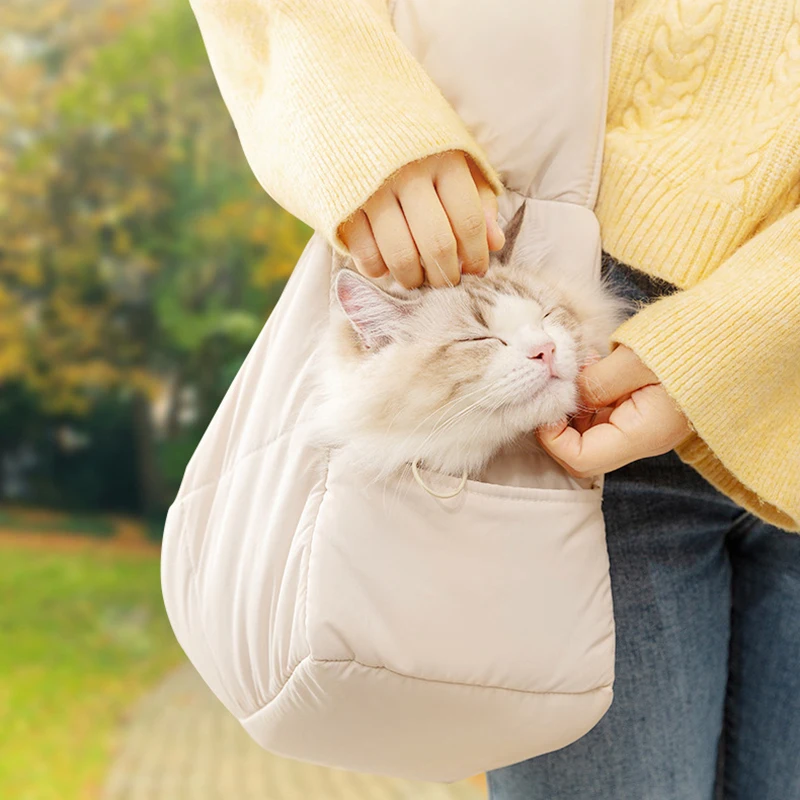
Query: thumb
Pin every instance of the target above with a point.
(494, 233)
(592, 357)
(617, 375)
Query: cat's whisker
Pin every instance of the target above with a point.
(440, 427)
(442, 410)
(439, 430)
(488, 417)
(437, 410)
(595, 385)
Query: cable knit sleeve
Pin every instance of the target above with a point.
(327, 101)
(728, 351)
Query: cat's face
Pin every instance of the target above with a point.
(449, 375)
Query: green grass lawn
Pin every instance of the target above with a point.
(82, 635)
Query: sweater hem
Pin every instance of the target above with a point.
(649, 223)
(698, 455)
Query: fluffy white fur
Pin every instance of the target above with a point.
(446, 376)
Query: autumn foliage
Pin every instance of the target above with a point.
(138, 256)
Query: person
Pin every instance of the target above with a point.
(696, 408)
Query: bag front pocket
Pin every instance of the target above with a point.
(501, 586)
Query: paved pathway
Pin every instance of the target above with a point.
(181, 744)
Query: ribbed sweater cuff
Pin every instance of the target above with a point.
(660, 228)
(699, 455)
(728, 353)
(363, 108)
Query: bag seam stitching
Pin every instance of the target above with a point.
(311, 539)
(600, 124)
(233, 467)
(451, 683)
(211, 659)
(583, 495)
(324, 661)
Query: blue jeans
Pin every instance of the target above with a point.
(707, 604)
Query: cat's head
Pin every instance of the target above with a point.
(450, 375)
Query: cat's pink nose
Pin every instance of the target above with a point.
(545, 353)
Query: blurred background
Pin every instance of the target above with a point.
(139, 258)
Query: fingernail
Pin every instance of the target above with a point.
(500, 232)
(493, 226)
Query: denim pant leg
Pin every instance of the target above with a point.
(671, 585)
(671, 581)
(762, 715)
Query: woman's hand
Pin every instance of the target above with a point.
(434, 219)
(635, 418)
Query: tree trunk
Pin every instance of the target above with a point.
(152, 494)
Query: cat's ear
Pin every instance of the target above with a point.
(512, 234)
(376, 316)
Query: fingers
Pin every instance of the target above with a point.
(432, 231)
(494, 233)
(394, 239)
(357, 236)
(647, 424)
(600, 449)
(586, 419)
(462, 204)
(592, 357)
(434, 219)
(613, 377)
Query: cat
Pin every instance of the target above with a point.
(446, 377)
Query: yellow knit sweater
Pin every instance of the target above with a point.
(700, 186)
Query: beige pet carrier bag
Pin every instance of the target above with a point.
(430, 639)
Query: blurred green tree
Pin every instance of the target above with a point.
(138, 255)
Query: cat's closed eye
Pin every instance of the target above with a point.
(561, 315)
(483, 339)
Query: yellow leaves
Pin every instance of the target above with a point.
(275, 237)
(22, 258)
(270, 269)
(13, 357)
(123, 243)
(13, 350)
(94, 374)
(30, 16)
(29, 272)
(131, 229)
(73, 316)
(284, 237)
(112, 21)
(145, 382)
(76, 384)
(232, 220)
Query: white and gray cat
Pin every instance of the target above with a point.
(447, 377)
